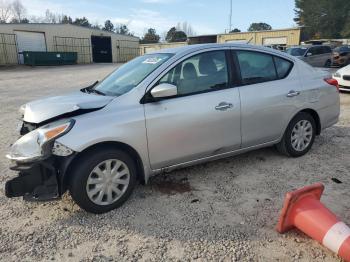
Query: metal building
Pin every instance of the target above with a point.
(147, 48)
(281, 38)
(92, 45)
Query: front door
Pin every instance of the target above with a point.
(101, 49)
(203, 120)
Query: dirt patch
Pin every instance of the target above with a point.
(172, 187)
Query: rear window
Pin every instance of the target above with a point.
(283, 67)
(296, 51)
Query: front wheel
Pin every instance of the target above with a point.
(102, 180)
(328, 64)
(299, 136)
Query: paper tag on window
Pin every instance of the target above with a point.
(152, 60)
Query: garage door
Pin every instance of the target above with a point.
(275, 41)
(30, 41)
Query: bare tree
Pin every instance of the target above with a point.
(187, 28)
(5, 11)
(50, 18)
(18, 10)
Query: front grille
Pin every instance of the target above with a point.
(347, 78)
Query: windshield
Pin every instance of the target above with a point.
(297, 51)
(131, 74)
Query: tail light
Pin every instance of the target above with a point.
(332, 82)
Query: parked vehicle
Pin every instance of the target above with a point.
(343, 78)
(315, 55)
(167, 110)
(341, 56)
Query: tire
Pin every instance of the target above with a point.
(93, 167)
(328, 64)
(287, 147)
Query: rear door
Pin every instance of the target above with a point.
(203, 120)
(268, 95)
(326, 56)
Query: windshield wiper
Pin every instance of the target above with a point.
(93, 90)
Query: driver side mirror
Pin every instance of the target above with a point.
(308, 54)
(164, 90)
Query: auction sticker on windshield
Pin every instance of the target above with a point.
(152, 60)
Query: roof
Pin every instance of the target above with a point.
(78, 26)
(193, 48)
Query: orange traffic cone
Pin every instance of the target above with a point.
(303, 210)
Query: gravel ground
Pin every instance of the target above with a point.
(220, 211)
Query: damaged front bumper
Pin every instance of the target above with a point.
(39, 181)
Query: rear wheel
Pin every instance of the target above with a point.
(299, 136)
(103, 180)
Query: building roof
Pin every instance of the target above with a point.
(78, 26)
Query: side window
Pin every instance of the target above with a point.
(318, 50)
(256, 67)
(327, 50)
(199, 73)
(283, 67)
(311, 51)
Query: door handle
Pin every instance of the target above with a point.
(223, 106)
(293, 93)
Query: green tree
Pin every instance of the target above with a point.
(236, 30)
(22, 21)
(66, 20)
(259, 27)
(150, 37)
(174, 35)
(323, 18)
(346, 29)
(122, 29)
(109, 27)
(82, 22)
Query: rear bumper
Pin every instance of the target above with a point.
(344, 88)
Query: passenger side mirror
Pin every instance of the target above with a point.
(164, 90)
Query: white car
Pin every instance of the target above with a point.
(343, 78)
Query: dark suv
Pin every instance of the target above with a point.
(341, 56)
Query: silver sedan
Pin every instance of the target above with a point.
(166, 110)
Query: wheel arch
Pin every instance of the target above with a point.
(100, 146)
(314, 115)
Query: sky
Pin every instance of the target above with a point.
(205, 17)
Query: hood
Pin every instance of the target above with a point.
(45, 109)
(345, 70)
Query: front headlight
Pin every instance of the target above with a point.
(22, 109)
(337, 74)
(38, 143)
